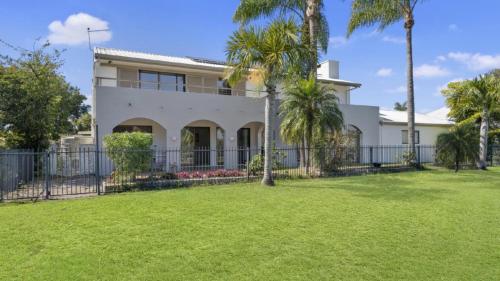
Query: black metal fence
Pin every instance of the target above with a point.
(26, 174)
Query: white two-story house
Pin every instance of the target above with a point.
(185, 103)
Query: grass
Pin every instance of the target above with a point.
(431, 225)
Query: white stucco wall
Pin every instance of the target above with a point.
(390, 134)
(365, 118)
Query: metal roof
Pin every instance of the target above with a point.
(110, 53)
(393, 116)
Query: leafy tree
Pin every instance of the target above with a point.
(36, 103)
(130, 152)
(476, 100)
(309, 111)
(400, 106)
(308, 14)
(385, 13)
(457, 146)
(265, 54)
(84, 123)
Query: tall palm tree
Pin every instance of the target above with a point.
(314, 33)
(385, 13)
(479, 99)
(265, 53)
(309, 110)
(306, 13)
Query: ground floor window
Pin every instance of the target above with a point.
(404, 136)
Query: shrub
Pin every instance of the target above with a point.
(256, 164)
(130, 152)
(457, 147)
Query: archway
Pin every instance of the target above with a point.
(202, 145)
(354, 135)
(144, 125)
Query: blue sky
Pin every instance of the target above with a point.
(452, 40)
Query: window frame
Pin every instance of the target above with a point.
(178, 88)
(404, 134)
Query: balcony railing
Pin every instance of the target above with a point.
(176, 87)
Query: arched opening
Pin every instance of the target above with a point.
(146, 126)
(250, 140)
(354, 135)
(202, 145)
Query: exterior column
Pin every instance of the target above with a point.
(231, 148)
(213, 146)
(173, 149)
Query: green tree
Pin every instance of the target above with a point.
(265, 54)
(400, 106)
(130, 152)
(84, 123)
(475, 100)
(309, 111)
(385, 13)
(36, 103)
(457, 146)
(308, 14)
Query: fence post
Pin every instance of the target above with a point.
(248, 164)
(96, 161)
(1, 177)
(371, 155)
(47, 174)
(418, 155)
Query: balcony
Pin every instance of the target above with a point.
(188, 87)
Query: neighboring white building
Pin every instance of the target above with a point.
(394, 127)
(185, 101)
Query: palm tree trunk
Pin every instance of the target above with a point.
(302, 153)
(483, 139)
(268, 129)
(410, 88)
(309, 144)
(312, 16)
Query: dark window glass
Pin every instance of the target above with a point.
(133, 128)
(404, 136)
(148, 80)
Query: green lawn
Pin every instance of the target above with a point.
(432, 225)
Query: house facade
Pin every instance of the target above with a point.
(186, 104)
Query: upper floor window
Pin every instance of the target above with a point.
(404, 136)
(162, 81)
(223, 87)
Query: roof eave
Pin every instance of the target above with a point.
(157, 62)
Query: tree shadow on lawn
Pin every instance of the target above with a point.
(387, 189)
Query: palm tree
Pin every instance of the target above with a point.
(306, 13)
(400, 106)
(309, 110)
(266, 54)
(385, 13)
(457, 146)
(475, 99)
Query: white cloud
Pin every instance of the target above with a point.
(428, 71)
(398, 90)
(477, 61)
(453, 27)
(441, 58)
(384, 72)
(73, 31)
(395, 40)
(338, 41)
